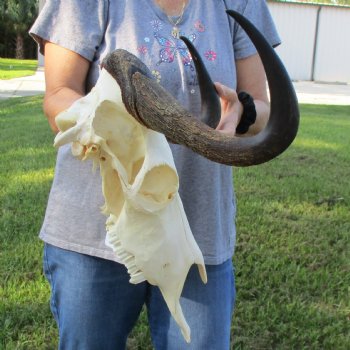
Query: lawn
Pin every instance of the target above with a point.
(292, 256)
(13, 68)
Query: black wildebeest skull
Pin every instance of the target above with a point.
(143, 98)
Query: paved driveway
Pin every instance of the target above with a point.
(308, 92)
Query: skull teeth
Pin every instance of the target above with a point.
(133, 270)
(130, 264)
(129, 259)
(136, 275)
(124, 255)
(137, 278)
(117, 242)
(119, 251)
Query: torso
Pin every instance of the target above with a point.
(205, 187)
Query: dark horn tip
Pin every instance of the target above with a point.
(284, 113)
(211, 107)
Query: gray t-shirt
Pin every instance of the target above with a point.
(93, 28)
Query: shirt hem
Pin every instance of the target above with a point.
(109, 255)
(217, 260)
(78, 248)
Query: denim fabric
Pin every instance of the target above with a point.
(96, 307)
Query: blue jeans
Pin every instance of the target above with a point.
(96, 307)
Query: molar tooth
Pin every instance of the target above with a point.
(114, 240)
(119, 250)
(130, 265)
(138, 274)
(124, 255)
(134, 270)
(117, 242)
(129, 259)
(119, 247)
(138, 278)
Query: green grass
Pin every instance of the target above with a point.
(26, 170)
(292, 257)
(293, 254)
(13, 68)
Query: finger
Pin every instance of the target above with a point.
(228, 124)
(219, 89)
(225, 92)
(227, 128)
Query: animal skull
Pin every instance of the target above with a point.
(146, 226)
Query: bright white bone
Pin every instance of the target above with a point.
(146, 226)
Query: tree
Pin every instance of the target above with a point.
(20, 14)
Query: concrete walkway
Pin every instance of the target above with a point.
(322, 93)
(26, 86)
(308, 92)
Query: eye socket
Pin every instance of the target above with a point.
(159, 184)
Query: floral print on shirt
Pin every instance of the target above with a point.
(171, 47)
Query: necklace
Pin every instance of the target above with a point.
(175, 32)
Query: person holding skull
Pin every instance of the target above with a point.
(92, 300)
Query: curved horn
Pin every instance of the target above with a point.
(153, 106)
(211, 107)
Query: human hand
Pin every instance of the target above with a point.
(231, 109)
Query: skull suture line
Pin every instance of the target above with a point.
(146, 226)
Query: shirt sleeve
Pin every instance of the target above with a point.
(257, 12)
(77, 25)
